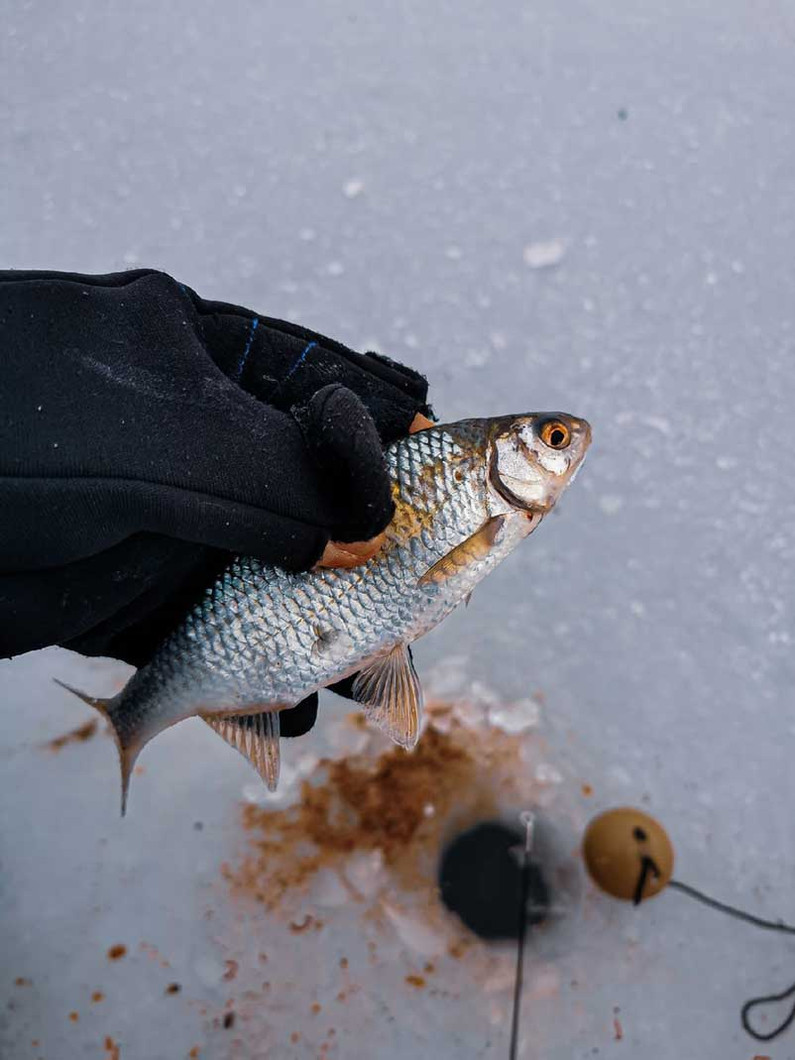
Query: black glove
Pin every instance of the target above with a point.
(146, 434)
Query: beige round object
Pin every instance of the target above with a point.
(628, 854)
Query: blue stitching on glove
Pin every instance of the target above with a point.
(247, 350)
(300, 360)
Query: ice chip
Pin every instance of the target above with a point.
(515, 717)
(353, 188)
(544, 255)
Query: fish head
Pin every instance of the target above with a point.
(534, 457)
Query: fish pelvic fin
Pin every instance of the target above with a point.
(127, 753)
(256, 737)
(390, 692)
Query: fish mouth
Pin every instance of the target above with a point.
(529, 508)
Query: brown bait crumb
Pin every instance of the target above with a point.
(194, 1052)
(457, 950)
(587, 790)
(21, 980)
(343, 962)
(173, 988)
(115, 953)
(295, 1037)
(112, 1049)
(74, 1016)
(231, 970)
(315, 1008)
(429, 968)
(229, 1021)
(79, 735)
(417, 981)
(97, 996)
(154, 954)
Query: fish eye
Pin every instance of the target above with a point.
(555, 434)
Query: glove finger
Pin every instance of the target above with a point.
(313, 363)
(406, 379)
(343, 439)
(283, 364)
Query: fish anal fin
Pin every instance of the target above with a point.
(475, 547)
(127, 752)
(390, 692)
(255, 736)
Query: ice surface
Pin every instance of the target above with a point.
(649, 151)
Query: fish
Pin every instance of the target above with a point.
(262, 638)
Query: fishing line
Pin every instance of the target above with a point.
(527, 820)
(766, 925)
(730, 910)
(629, 856)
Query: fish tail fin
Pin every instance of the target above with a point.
(127, 753)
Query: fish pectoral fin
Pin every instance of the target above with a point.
(390, 692)
(255, 736)
(476, 546)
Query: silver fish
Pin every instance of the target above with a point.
(262, 638)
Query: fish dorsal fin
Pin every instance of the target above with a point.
(256, 737)
(390, 692)
(476, 546)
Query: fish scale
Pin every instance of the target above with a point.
(263, 638)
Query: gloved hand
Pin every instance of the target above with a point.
(146, 434)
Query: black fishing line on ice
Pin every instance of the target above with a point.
(527, 820)
(534, 905)
(520, 944)
(683, 888)
(765, 925)
(490, 880)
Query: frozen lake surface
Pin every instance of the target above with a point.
(568, 205)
